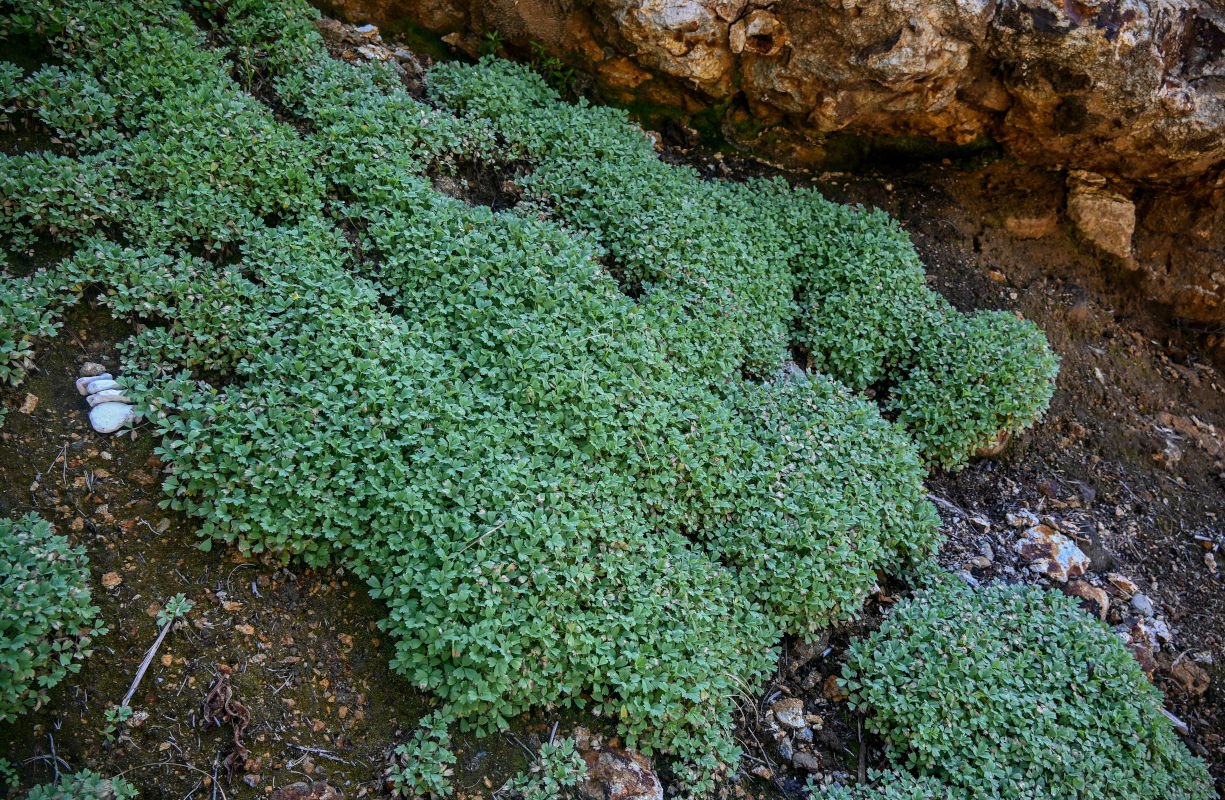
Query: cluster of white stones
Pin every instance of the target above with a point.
(111, 409)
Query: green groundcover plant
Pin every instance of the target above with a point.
(84, 785)
(889, 785)
(48, 622)
(558, 440)
(1013, 692)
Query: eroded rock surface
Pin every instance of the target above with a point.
(1129, 89)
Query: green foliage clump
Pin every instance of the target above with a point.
(10, 90)
(861, 288)
(890, 785)
(70, 102)
(423, 767)
(29, 310)
(733, 274)
(556, 772)
(831, 488)
(84, 785)
(974, 376)
(1012, 692)
(713, 281)
(49, 623)
(56, 195)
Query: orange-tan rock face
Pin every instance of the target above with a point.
(1130, 89)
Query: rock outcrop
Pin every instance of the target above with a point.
(1128, 94)
(1130, 89)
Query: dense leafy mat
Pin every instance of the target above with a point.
(1013, 692)
(557, 441)
(49, 623)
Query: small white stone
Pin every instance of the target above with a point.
(83, 383)
(1022, 519)
(109, 396)
(101, 385)
(92, 369)
(110, 417)
(790, 713)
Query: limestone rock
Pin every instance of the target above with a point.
(1125, 88)
(1190, 677)
(110, 417)
(1124, 584)
(806, 761)
(680, 38)
(616, 774)
(1052, 554)
(1092, 599)
(1106, 217)
(789, 711)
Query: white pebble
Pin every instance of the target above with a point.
(110, 417)
(101, 385)
(109, 396)
(83, 383)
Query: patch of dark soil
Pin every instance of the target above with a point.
(480, 183)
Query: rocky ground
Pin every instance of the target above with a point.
(1119, 493)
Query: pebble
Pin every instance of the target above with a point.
(1190, 676)
(1092, 599)
(785, 750)
(804, 734)
(108, 396)
(1160, 630)
(84, 382)
(110, 417)
(616, 774)
(967, 577)
(806, 761)
(101, 385)
(92, 369)
(789, 712)
(1142, 605)
(1022, 519)
(979, 562)
(1050, 553)
(1125, 585)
